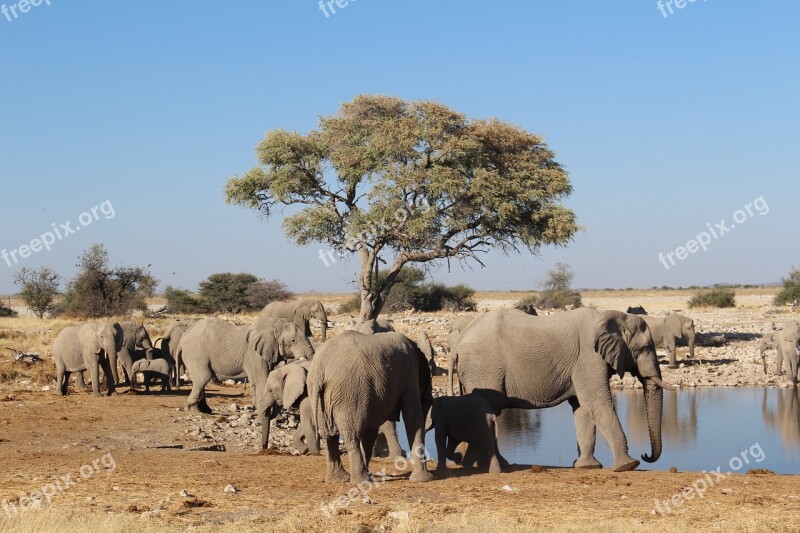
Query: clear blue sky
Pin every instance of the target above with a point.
(665, 125)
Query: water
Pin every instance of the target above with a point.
(702, 429)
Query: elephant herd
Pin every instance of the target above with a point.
(355, 386)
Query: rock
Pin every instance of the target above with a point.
(400, 515)
(367, 500)
(150, 514)
(726, 491)
(230, 489)
(537, 469)
(233, 408)
(229, 382)
(673, 470)
(186, 494)
(509, 488)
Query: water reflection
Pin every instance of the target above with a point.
(784, 416)
(678, 424)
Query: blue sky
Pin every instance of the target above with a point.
(665, 125)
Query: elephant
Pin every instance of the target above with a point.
(638, 310)
(787, 342)
(89, 346)
(786, 417)
(768, 341)
(459, 324)
(355, 384)
(169, 345)
(285, 387)
(134, 337)
(300, 312)
(214, 348)
(469, 419)
(515, 360)
(667, 329)
(380, 325)
(158, 368)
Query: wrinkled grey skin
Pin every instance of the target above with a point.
(134, 337)
(459, 325)
(300, 312)
(518, 361)
(665, 330)
(214, 348)
(285, 387)
(156, 368)
(169, 345)
(88, 346)
(380, 325)
(787, 342)
(768, 341)
(467, 419)
(356, 383)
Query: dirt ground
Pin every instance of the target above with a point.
(97, 459)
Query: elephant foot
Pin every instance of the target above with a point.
(97, 394)
(337, 476)
(495, 468)
(113, 393)
(421, 476)
(626, 467)
(589, 463)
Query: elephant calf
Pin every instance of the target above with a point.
(156, 368)
(469, 419)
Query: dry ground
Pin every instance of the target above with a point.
(43, 435)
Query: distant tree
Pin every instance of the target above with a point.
(184, 302)
(557, 290)
(227, 292)
(400, 182)
(7, 312)
(38, 289)
(262, 292)
(718, 297)
(100, 291)
(791, 288)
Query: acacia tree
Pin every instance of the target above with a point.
(38, 288)
(401, 182)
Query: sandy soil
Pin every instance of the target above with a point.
(43, 435)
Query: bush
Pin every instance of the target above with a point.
(183, 302)
(227, 292)
(353, 305)
(6, 312)
(718, 298)
(558, 299)
(791, 288)
(260, 293)
(99, 291)
(556, 294)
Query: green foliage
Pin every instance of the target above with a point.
(719, 298)
(227, 292)
(262, 292)
(403, 182)
(100, 291)
(557, 292)
(791, 288)
(39, 289)
(6, 312)
(183, 302)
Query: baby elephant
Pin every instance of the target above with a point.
(469, 419)
(155, 368)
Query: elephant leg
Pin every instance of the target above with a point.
(266, 422)
(489, 447)
(415, 430)
(778, 359)
(79, 381)
(109, 376)
(669, 342)
(307, 428)
(605, 418)
(389, 430)
(298, 443)
(358, 466)
(197, 398)
(586, 432)
(62, 381)
(367, 444)
(441, 449)
(335, 472)
(94, 371)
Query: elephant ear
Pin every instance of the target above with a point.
(294, 384)
(425, 346)
(611, 339)
(119, 336)
(673, 325)
(263, 342)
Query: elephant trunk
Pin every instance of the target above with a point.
(654, 404)
(325, 329)
(110, 348)
(147, 346)
(691, 339)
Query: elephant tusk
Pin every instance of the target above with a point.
(663, 385)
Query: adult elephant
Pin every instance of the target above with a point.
(518, 361)
(134, 338)
(787, 342)
(666, 330)
(355, 384)
(79, 348)
(300, 312)
(215, 348)
(459, 325)
(169, 345)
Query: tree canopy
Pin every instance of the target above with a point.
(401, 182)
(39, 289)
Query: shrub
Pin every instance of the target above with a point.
(99, 291)
(718, 298)
(558, 299)
(39, 289)
(262, 292)
(183, 302)
(227, 292)
(556, 293)
(353, 305)
(791, 288)
(6, 312)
